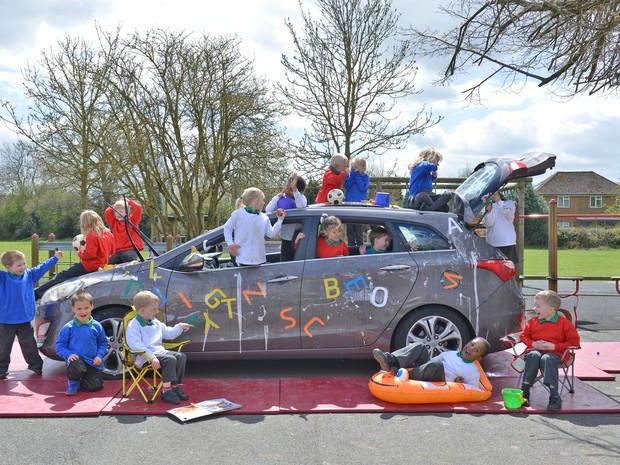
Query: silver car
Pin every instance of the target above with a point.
(438, 283)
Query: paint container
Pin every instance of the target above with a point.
(382, 199)
(513, 398)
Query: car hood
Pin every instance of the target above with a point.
(491, 176)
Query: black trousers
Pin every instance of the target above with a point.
(27, 342)
(123, 257)
(91, 378)
(416, 359)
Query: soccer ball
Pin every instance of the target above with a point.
(79, 243)
(335, 196)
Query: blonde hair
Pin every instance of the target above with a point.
(248, 196)
(119, 206)
(551, 298)
(360, 162)
(429, 154)
(145, 298)
(329, 222)
(81, 296)
(91, 221)
(335, 159)
(9, 257)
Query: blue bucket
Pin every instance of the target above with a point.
(383, 199)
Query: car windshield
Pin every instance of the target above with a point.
(483, 181)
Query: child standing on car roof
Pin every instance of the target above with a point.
(145, 333)
(99, 247)
(17, 307)
(333, 177)
(247, 227)
(82, 343)
(356, 185)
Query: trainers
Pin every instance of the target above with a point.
(181, 393)
(170, 397)
(72, 387)
(555, 403)
(383, 359)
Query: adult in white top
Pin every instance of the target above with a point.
(247, 227)
(499, 221)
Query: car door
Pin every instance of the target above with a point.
(349, 301)
(492, 175)
(235, 308)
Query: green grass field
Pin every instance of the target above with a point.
(582, 262)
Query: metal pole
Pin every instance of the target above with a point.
(553, 245)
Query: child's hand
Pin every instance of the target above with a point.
(72, 358)
(155, 363)
(59, 254)
(363, 249)
(280, 213)
(97, 361)
(234, 250)
(300, 236)
(186, 326)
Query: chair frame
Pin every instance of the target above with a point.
(566, 381)
(138, 374)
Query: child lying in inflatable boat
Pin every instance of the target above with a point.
(451, 366)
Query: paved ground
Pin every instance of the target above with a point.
(330, 439)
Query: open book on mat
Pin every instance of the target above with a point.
(202, 409)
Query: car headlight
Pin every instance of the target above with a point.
(67, 289)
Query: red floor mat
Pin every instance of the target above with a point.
(25, 394)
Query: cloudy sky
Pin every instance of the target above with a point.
(584, 133)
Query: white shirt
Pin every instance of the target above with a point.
(455, 366)
(500, 224)
(149, 338)
(288, 230)
(250, 230)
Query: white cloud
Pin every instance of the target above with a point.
(582, 132)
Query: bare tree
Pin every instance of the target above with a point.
(19, 169)
(194, 123)
(349, 70)
(570, 45)
(65, 113)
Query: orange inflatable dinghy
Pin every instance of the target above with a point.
(387, 387)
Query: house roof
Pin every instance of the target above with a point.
(577, 183)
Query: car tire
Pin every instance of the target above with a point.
(439, 328)
(111, 319)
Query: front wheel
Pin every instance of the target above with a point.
(438, 328)
(112, 321)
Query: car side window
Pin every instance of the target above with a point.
(422, 238)
(356, 233)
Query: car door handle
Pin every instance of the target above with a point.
(396, 268)
(282, 279)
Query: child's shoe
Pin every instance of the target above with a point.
(385, 359)
(170, 397)
(555, 403)
(72, 388)
(181, 393)
(4, 375)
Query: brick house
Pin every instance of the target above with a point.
(581, 192)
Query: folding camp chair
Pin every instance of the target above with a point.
(566, 378)
(139, 376)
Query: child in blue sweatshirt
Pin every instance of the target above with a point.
(17, 307)
(82, 343)
(356, 185)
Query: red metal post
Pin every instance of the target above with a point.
(553, 245)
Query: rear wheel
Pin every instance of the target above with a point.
(438, 328)
(112, 321)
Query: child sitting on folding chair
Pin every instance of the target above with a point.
(82, 343)
(145, 333)
(546, 336)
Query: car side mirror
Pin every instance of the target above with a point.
(193, 262)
